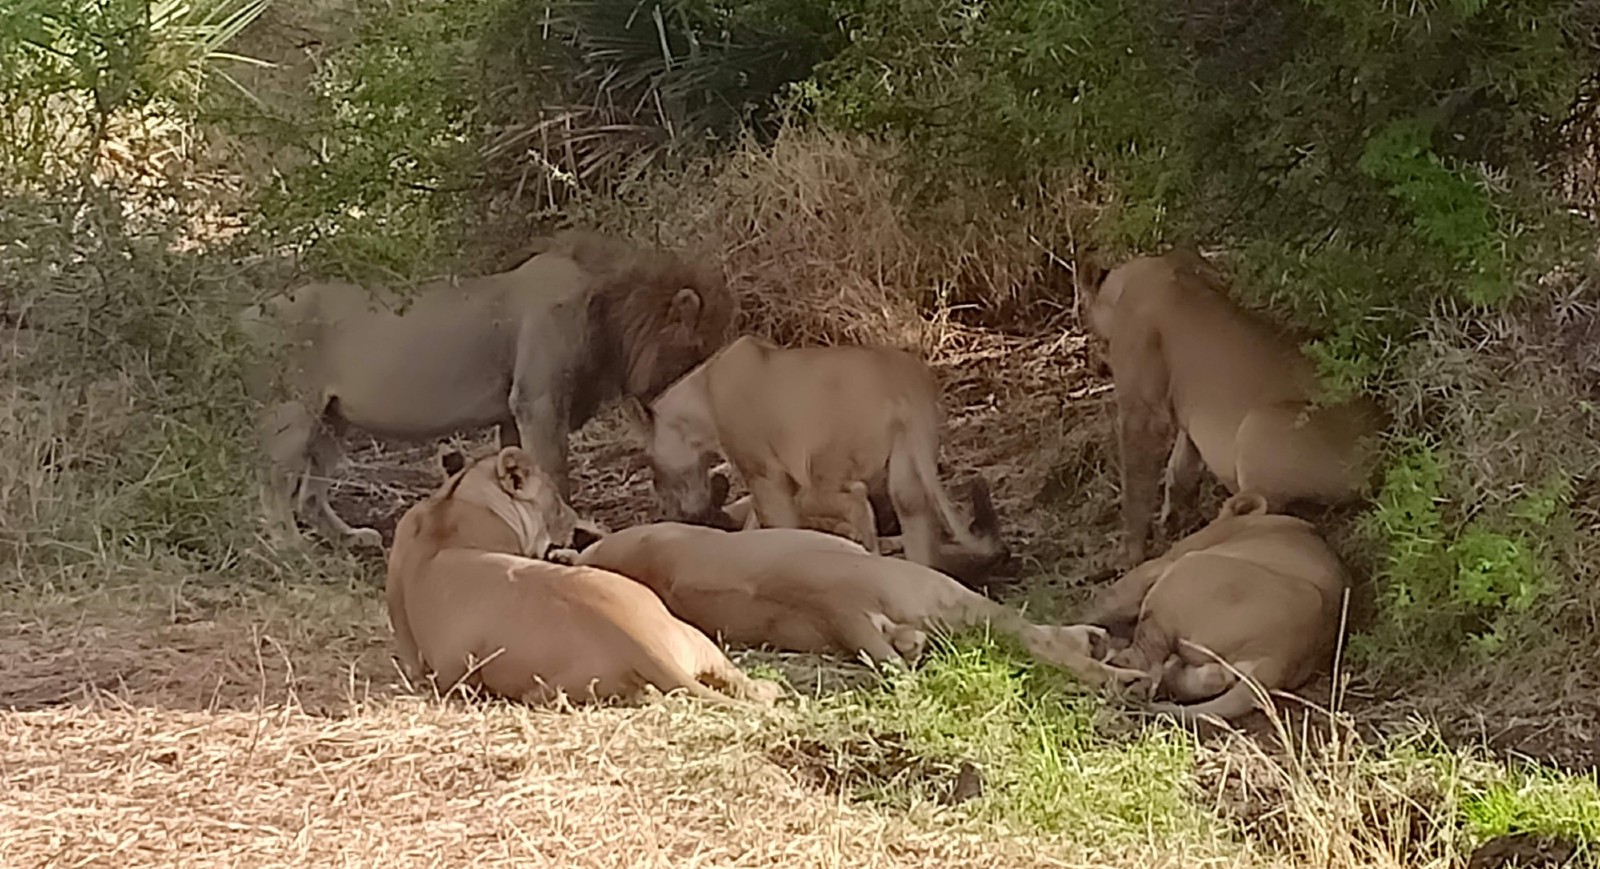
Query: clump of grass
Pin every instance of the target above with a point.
(1537, 800)
(1030, 731)
(820, 243)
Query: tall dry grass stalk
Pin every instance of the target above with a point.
(824, 248)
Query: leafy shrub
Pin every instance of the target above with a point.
(1450, 581)
(1362, 156)
(388, 159)
(72, 69)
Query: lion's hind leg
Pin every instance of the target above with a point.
(1187, 683)
(288, 431)
(322, 456)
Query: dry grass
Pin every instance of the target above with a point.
(172, 723)
(819, 247)
(416, 783)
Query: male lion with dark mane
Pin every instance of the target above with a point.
(469, 602)
(1201, 380)
(536, 350)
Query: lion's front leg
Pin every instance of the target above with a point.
(542, 425)
(775, 502)
(1181, 494)
(1142, 433)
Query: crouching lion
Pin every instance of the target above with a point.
(810, 423)
(808, 591)
(1261, 592)
(1199, 376)
(470, 604)
(535, 350)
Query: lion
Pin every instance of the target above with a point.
(1199, 376)
(816, 419)
(470, 604)
(845, 512)
(535, 351)
(1258, 591)
(809, 591)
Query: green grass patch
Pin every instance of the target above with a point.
(1031, 731)
(1536, 800)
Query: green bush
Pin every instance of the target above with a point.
(1452, 584)
(73, 68)
(388, 158)
(1361, 156)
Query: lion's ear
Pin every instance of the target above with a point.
(451, 461)
(686, 307)
(515, 466)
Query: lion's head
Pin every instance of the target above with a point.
(662, 313)
(511, 485)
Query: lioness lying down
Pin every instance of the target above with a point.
(809, 591)
(816, 420)
(469, 603)
(1198, 378)
(1262, 592)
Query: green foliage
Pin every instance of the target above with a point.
(1286, 129)
(390, 154)
(435, 106)
(1449, 584)
(1029, 728)
(144, 372)
(72, 67)
(137, 433)
(1537, 801)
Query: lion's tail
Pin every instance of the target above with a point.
(1237, 701)
(981, 539)
(666, 673)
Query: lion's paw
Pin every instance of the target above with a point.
(556, 555)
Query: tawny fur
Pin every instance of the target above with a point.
(1261, 592)
(470, 604)
(535, 350)
(843, 512)
(817, 420)
(1199, 379)
(808, 591)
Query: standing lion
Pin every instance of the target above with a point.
(536, 350)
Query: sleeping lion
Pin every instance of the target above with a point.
(1258, 591)
(810, 591)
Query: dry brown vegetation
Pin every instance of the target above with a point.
(239, 707)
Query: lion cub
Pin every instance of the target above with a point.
(1261, 592)
(1200, 377)
(469, 602)
(809, 591)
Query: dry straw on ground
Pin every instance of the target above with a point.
(417, 783)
